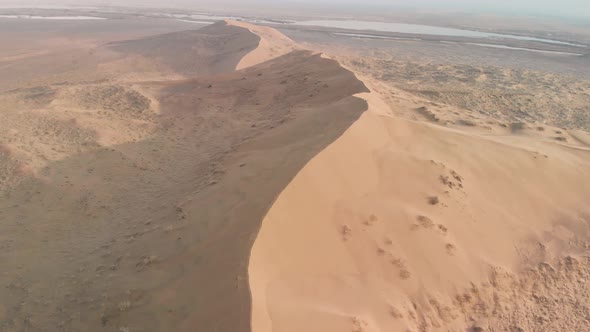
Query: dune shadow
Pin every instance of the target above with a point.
(156, 235)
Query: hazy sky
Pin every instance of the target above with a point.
(579, 8)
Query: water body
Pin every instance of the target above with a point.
(194, 22)
(361, 35)
(382, 27)
(32, 17)
(422, 29)
(524, 49)
(203, 17)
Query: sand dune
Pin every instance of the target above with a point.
(133, 184)
(214, 49)
(272, 44)
(407, 226)
(148, 226)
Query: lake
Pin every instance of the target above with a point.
(422, 30)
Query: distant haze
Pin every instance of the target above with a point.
(574, 8)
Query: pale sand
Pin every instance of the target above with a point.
(272, 44)
(131, 203)
(357, 241)
(398, 225)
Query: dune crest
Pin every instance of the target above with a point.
(133, 183)
(407, 226)
(272, 44)
(152, 191)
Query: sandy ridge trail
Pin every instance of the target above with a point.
(153, 232)
(404, 225)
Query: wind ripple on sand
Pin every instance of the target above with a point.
(401, 225)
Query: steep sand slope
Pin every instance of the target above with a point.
(272, 44)
(214, 49)
(408, 226)
(154, 233)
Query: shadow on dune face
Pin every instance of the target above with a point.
(214, 49)
(155, 235)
